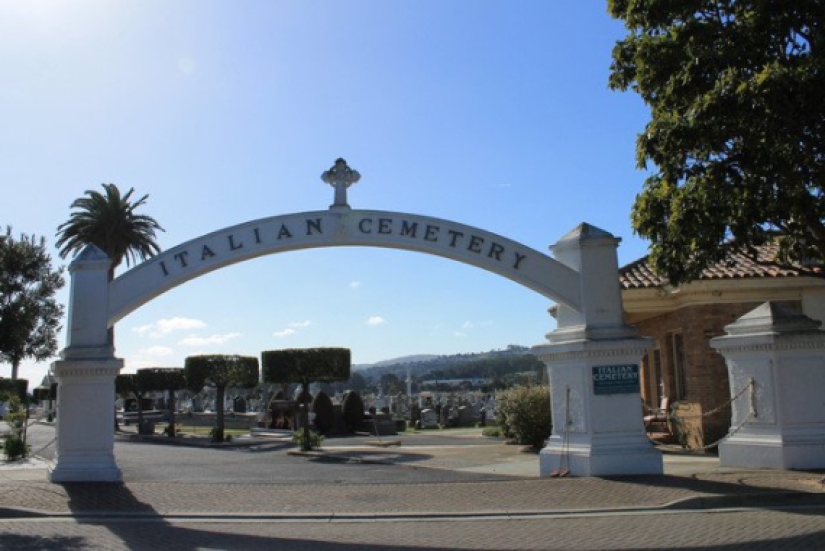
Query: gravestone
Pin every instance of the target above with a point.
(429, 419)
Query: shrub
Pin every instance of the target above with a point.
(524, 414)
(324, 412)
(15, 447)
(353, 410)
(314, 442)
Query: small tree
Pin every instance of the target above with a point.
(324, 412)
(524, 413)
(165, 379)
(352, 410)
(220, 371)
(306, 366)
(13, 392)
(29, 314)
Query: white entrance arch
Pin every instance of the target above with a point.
(592, 356)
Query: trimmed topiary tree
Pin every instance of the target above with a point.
(352, 410)
(305, 366)
(324, 412)
(220, 371)
(166, 379)
(13, 387)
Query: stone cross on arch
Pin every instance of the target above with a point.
(340, 177)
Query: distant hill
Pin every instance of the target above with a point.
(401, 360)
(495, 363)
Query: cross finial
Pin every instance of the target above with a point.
(340, 176)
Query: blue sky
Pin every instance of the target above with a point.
(490, 113)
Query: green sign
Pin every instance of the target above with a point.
(615, 379)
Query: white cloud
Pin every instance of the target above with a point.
(460, 335)
(163, 327)
(284, 333)
(194, 340)
(157, 351)
(376, 320)
(354, 284)
(305, 323)
(467, 325)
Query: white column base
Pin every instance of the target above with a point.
(774, 451)
(85, 420)
(85, 467)
(616, 455)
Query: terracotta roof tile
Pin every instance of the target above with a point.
(736, 265)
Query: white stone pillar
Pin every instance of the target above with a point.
(781, 424)
(593, 367)
(86, 378)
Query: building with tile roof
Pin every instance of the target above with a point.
(681, 366)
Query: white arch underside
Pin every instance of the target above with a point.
(342, 228)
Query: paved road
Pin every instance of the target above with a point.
(423, 497)
(729, 530)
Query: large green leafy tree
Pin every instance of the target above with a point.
(109, 221)
(220, 371)
(305, 366)
(737, 129)
(29, 315)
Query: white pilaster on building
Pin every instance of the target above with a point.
(781, 423)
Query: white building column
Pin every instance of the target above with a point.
(593, 367)
(780, 424)
(86, 378)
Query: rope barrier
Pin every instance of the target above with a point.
(751, 386)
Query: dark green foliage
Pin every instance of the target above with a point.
(161, 378)
(42, 394)
(305, 366)
(392, 383)
(353, 410)
(108, 220)
(220, 371)
(524, 413)
(356, 381)
(324, 412)
(307, 440)
(15, 446)
(17, 388)
(295, 365)
(29, 314)
(737, 129)
(167, 379)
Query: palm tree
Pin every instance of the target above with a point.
(109, 222)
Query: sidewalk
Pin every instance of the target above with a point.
(690, 482)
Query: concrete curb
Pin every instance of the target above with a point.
(778, 500)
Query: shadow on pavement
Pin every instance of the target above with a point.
(94, 503)
(718, 493)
